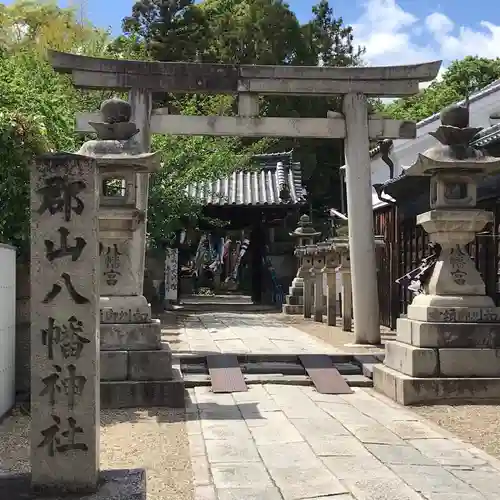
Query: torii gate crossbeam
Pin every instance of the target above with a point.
(141, 79)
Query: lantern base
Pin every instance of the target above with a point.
(408, 390)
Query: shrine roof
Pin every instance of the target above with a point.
(260, 186)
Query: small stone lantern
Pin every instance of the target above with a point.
(304, 234)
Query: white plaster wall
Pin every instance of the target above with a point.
(7, 327)
(405, 151)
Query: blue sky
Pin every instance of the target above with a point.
(462, 12)
(393, 31)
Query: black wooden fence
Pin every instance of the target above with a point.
(405, 246)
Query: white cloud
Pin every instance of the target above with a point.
(392, 35)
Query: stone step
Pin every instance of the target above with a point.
(195, 380)
(270, 368)
(293, 310)
(226, 306)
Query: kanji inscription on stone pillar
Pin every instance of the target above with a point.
(64, 323)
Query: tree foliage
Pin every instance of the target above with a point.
(462, 78)
(37, 106)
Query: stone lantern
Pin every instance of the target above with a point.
(305, 253)
(330, 263)
(304, 234)
(129, 337)
(447, 337)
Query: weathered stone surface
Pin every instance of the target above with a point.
(241, 475)
(414, 361)
(425, 334)
(114, 365)
(150, 365)
(408, 390)
(447, 452)
(118, 275)
(381, 489)
(469, 362)
(64, 323)
(229, 451)
(398, 454)
(291, 309)
(119, 309)
(119, 484)
(430, 479)
(255, 493)
(454, 314)
(131, 336)
(132, 394)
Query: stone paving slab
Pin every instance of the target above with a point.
(291, 443)
(245, 333)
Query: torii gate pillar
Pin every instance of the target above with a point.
(360, 211)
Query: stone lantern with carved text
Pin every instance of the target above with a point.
(121, 163)
(446, 347)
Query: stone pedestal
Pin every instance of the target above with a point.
(294, 301)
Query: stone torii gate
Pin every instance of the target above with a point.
(354, 125)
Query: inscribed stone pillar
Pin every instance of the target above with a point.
(171, 275)
(305, 273)
(331, 284)
(64, 323)
(318, 264)
(345, 273)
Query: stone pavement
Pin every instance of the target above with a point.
(284, 442)
(289, 442)
(256, 333)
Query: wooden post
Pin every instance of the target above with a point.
(360, 212)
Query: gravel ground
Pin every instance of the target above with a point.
(153, 438)
(475, 424)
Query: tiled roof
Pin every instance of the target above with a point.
(487, 136)
(260, 186)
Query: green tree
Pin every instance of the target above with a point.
(171, 30)
(37, 106)
(461, 79)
